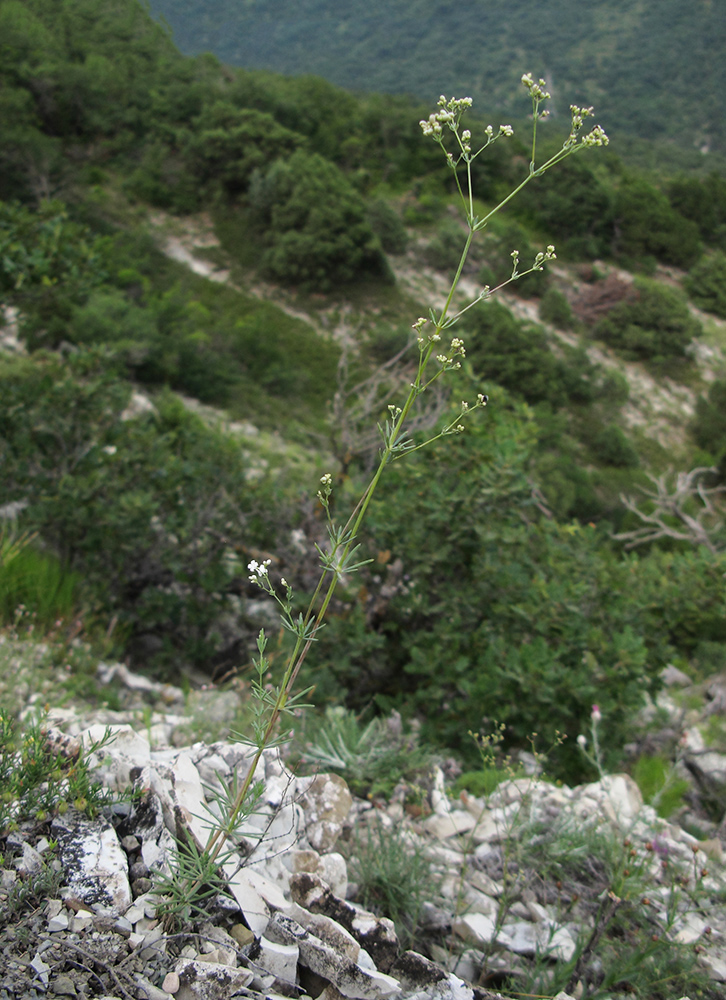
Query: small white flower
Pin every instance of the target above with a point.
(582, 741)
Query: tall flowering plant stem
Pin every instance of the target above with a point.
(437, 355)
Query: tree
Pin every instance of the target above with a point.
(228, 143)
(314, 224)
(706, 284)
(647, 226)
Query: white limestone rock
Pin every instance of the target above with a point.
(200, 980)
(475, 928)
(326, 802)
(94, 863)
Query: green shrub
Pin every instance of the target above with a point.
(555, 308)
(395, 877)
(706, 284)
(443, 252)
(228, 143)
(48, 262)
(654, 325)
(373, 758)
(703, 200)
(388, 227)
(647, 226)
(659, 786)
(611, 447)
(145, 510)
(312, 225)
(574, 206)
(518, 356)
(38, 780)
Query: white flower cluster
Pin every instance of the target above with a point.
(536, 90)
(596, 137)
(450, 113)
(456, 350)
(543, 257)
(326, 484)
(258, 571)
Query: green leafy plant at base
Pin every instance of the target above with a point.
(37, 781)
(35, 889)
(34, 581)
(373, 758)
(438, 354)
(659, 785)
(395, 876)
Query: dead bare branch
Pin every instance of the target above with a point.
(670, 517)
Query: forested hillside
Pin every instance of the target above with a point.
(163, 426)
(654, 67)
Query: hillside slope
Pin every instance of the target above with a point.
(655, 67)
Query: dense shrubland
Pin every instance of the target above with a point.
(656, 89)
(506, 597)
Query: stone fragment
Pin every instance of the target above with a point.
(347, 977)
(208, 981)
(63, 986)
(123, 762)
(153, 944)
(450, 824)
(715, 967)
(31, 861)
(81, 921)
(242, 935)
(59, 922)
(149, 991)
(671, 676)
(278, 960)
(138, 405)
(218, 940)
(376, 934)
(326, 802)
(94, 863)
(689, 928)
(475, 928)
(331, 868)
(414, 972)
(157, 843)
(525, 938)
(616, 796)
(329, 931)
(171, 982)
(40, 968)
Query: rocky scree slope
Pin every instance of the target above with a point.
(287, 924)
